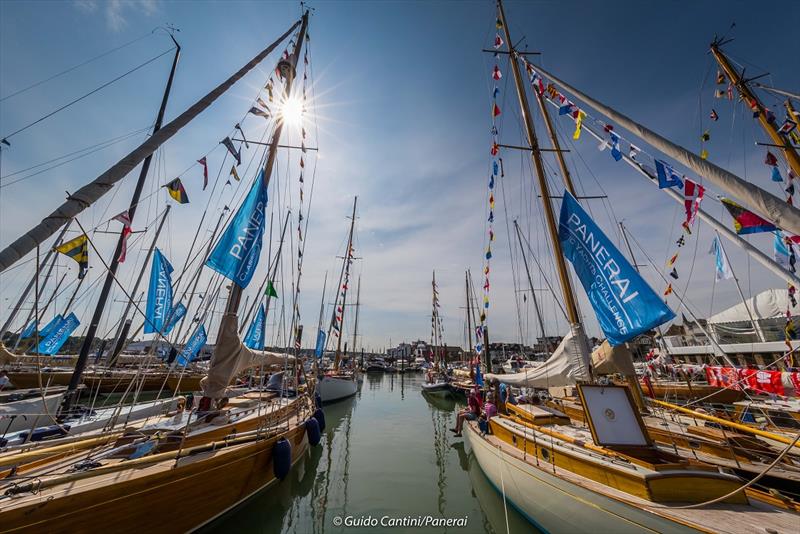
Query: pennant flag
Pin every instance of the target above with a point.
(235, 153)
(770, 159)
(259, 112)
(270, 291)
(706, 136)
(776, 174)
(615, 153)
(672, 260)
(496, 74)
(202, 161)
(668, 291)
(498, 42)
(51, 326)
(234, 173)
(721, 262)
(624, 304)
(681, 241)
(704, 154)
(159, 295)
(58, 336)
(719, 93)
(787, 127)
(193, 346)
(781, 250)
(745, 221)
(495, 110)
(578, 125)
(319, 348)
(720, 77)
(667, 177)
(256, 333)
(177, 192)
(714, 117)
(238, 127)
(237, 253)
(78, 250)
(28, 331)
(175, 315)
(125, 219)
(674, 273)
(498, 24)
(693, 195)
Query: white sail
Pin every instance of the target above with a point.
(231, 357)
(88, 194)
(566, 366)
(766, 204)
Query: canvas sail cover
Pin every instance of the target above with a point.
(765, 305)
(231, 357)
(566, 367)
(608, 360)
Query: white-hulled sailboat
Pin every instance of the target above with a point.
(608, 477)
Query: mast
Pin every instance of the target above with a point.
(28, 288)
(562, 164)
(744, 90)
(470, 332)
(75, 380)
(346, 271)
(235, 295)
(125, 322)
(38, 294)
(563, 273)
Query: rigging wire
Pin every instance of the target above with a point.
(86, 95)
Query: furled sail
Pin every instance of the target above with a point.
(231, 357)
(566, 367)
(766, 204)
(88, 194)
(608, 360)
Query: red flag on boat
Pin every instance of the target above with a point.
(202, 161)
(496, 74)
(125, 219)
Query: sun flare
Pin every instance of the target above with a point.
(292, 111)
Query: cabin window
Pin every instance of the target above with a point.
(545, 455)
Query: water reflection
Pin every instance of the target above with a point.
(386, 452)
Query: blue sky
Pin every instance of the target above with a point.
(401, 97)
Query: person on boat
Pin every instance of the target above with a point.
(489, 407)
(5, 382)
(471, 413)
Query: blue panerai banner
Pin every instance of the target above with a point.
(321, 336)
(623, 302)
(236, 254)
(175, 315)
(159, 295)
(59, 335)
(49, 327)
(192, 346)
(29, 330)
(255, 335)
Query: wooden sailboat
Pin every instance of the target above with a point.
(438, 381)
(180, 470)
(609, 477)
(341, 383)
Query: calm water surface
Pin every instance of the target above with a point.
(385, 452)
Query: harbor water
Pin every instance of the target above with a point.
(386, 454)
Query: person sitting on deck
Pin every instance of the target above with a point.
(471, 413)
(489, 407)
(5, 382)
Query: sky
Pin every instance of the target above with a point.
(398, 107)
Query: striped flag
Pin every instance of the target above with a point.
(125, 219)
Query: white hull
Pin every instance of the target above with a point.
(556, 505)
(439, 388)
(334, 388)
(22, 415)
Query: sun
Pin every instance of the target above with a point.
(292, 111)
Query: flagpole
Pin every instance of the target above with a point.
(125, 323)
(75, 380)
(756, 328)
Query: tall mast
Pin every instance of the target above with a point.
(744, 90)
(125, 322)
(344, 290)
(562, 164)
(235, 296)
(470, 332)
(75, 380)
(561, 265)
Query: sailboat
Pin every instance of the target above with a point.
(609, 476)
(340, 383)
(183, 469)
(437, 380)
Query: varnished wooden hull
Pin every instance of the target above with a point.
(682, 391)
(168, 500)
